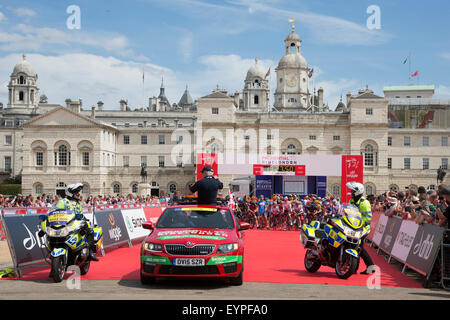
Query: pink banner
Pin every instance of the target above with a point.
(352, 170)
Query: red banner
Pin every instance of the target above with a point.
(352, 170)
(206, 159)
(278, 170)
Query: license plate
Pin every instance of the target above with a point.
(188, 262)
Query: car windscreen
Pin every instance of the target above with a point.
(213, 218)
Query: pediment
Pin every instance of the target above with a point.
(61, 117)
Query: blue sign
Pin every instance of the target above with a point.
(263, 186)
(321, 186)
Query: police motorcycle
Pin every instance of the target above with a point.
(65, 240)
(335, 244)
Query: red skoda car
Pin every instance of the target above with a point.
(194, 241)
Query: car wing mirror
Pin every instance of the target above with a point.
(244, 226)
(147, 225)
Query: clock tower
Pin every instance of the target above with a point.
(292, 77)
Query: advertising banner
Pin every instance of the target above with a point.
(424, 248)
(113, 225)
(404, 240)
(373, 224)
(278, 170)
(379, 231)
(206, 159)
(23, 236)
(133, 220)
(263, 186)
(390, 233)
(352, 170)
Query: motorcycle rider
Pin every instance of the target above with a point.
(72, 202)
(357, 190)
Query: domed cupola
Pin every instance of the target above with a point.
(24, 67)
(256, 89)
(22, 87)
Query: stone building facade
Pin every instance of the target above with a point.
(402, 135)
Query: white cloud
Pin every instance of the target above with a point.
(27, 38)
(186, 47)
(443, 91)
(24, 12)
(2, 17)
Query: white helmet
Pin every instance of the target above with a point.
(73, 188)
(357, 187)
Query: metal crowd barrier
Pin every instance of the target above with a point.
(445, 258)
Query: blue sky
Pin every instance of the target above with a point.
(203, 43)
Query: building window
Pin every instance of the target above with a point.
(143, 139)
(162, 140)
(126, 161)
(369, 111)
(336, 138)
(63, 156)
(21, 96)
(444, 141)
(407, 163)
(444, 163)
(369, 190)
(127, 125)
(179, 139)
(134, 188)
(431, 187)
(179, 161)
(39, 189)
(39, 158)
(8, 164)
(85, 160)
(215, 110)
(21, 80)
(140, 125)
(426, 141)
(407, 141)
(9, 123)
(389, 141)
(389, 163)
(246, 137)
(368, 155)
(143, 160)
(116, 188)
(312, 137)
(161, 161)
(291, 149)
(173, 188)
(8, 140)
(269, 137)
(336, 191)
(256, 100)
(426, 163)
(126, 139)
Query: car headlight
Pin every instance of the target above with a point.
(229, 247)
(154, 247)
(63, 232)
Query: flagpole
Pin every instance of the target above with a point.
(409, 75)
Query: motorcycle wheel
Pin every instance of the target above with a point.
(84, 268)
(344, 269)
(312, 264)
(58, 269)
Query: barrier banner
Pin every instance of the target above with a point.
(424, 248)
(113, 225)
(133, 220)
(373, 224)
(390, 233)
(379, 231)
(404, 240)
(22, 231)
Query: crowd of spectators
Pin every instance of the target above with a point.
(421, 206)
(48, 201)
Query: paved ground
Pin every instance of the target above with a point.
(205, 290)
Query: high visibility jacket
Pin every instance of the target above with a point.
(365, 208)
(66, 204)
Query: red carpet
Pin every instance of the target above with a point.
(270, 256)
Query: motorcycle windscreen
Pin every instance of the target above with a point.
(353, 217)
(60, 218)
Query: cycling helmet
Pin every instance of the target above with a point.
(73, 188)
(356, 188)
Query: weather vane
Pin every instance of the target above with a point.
(293, 27)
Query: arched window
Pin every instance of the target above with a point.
(256, 100)
(20, 95)
(39, 189)
(173, 188)
(60, 185)
(256, 84)
(369, 190)
(21, 80)
(368, 155)
(291, 149)
(336, 191)
(63, 155)
(214, 148)
(393, 187)
(292, 48)
(116, 188)
(134, 188)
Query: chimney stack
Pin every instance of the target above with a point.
(320, 94)
(100, 105)
(93, 112)
(123, 105)
(349, 95)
